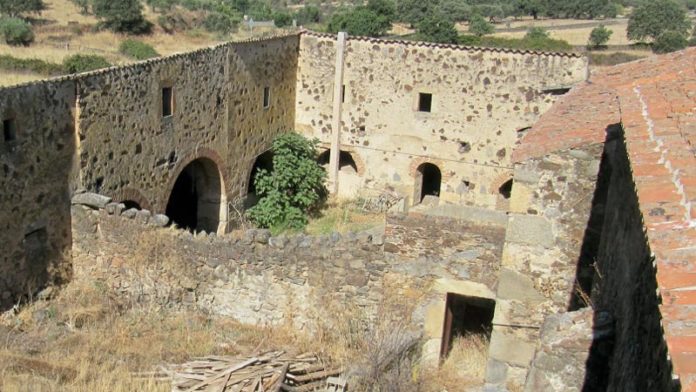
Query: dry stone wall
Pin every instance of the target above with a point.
(480, 99)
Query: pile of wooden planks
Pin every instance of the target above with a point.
(270, 372)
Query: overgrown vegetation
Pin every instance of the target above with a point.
(123, 16)
(293, 189)
(137, 49)
(40, 67)
(16, 31)
(84, 62)
(665, 22)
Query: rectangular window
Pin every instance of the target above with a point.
(266, 97)
(9, 129)
(425, 102)
(167, 101)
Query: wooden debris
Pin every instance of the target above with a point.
(269, 372)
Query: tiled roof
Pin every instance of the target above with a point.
(655, 100)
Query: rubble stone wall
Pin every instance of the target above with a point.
(481, 98)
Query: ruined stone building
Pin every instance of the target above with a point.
(563, 223)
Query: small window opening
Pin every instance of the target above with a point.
(505, 190)
(167, 101)
(464, 147)
(425, 102)
(345, 161)
(266, 97)
(557, 91)
(9, 130)
(467, 326)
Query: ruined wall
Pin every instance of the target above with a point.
(625, 287)
(259, 279)
(551, 204)
(480, 99)
(37, 147)
(128, 150)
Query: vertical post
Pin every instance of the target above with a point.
(337, 111)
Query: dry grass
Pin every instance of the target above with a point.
(10, 78)
(575, 36)
(466, 363)
(344, 216)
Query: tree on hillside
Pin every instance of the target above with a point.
(599, 36)
(414, 11)
(479, 26)
(456, 10)
(308, 14)
(530, 7)
(17, 8)
(359, 21)
(653, 18)
(123, 16)
(437, 28)
(384, 8)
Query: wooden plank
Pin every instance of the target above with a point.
(317, 375)
(281, 379)
(223, 374)
(303, 388)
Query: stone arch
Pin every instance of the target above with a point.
(428, 181)
(347, 158)
(198, 186)
(133, 196)
(500, 180)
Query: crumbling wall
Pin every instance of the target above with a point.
(36, 159)
(480, 99)
(550, 207)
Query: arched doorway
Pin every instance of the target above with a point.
(196, 198)
(428, 181)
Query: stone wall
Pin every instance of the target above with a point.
(128, 150)
(551, 204)
(37, 147)
(481, 98)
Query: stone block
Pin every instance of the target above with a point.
(130, 213)
(142, 216)
(515, 285)
(262, 236)
(111, 208)
(496, 371)
(91, 200)
(511, 349)
(530, 230)
(159, 220)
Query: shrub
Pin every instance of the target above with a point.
(123, 16)
(537, 33)
(478, 26)
(669, 41)
(435, 28)
(652, 18)
(282, 19)
(360, 21)
(220, 23)
(84, 62)
(16, 31)
(293, 188)
(137, 49)
(10, 63)
(599, 36)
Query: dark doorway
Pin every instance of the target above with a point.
(131, 204)
(466, 315)
(428, 181)
(195, 201)
(505, 190)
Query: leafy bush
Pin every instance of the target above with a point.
(10, 63)
(479, 26)
(599, 36)
(84, 62)
(435, 28)
(16, 8)
(669, 41)
(360, 21)
(137, 49)
(221, 23)
(535, 33)
(123, 16)
(307, 15)
(16, 31)
(282, 19)
(294, 187)
(652, 18)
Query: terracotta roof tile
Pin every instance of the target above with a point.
(655, 101)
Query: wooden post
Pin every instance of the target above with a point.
(337, 111)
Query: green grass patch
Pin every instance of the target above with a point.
(40, 67)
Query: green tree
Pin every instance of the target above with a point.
(599, 36)
(384, 8)
(16, 32)
(123, 16)
(359, 21)
(457, 10)
(17, 8)
(669, 41)
(653, 18)
(84, 62)
(530, 7)
(479, 26)
(308, 14)
(293, 189)
(436, 28)
(414, 11)
(282, 18)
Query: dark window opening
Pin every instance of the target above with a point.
(167, 101)
(428, 181)
(557, 91)
(466, 317)
(266, 97)
(505, 190)
(195, 201)
(343, 93)
(37, 256)
(345, 160)
(425, 102)
(131, 204)
(9, 130)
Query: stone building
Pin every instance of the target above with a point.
(565, 223)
